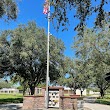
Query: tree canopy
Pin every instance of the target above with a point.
(4, 84)
(25, 54)
(78, 78)
(8, 9)
(82, 11)
(94, 50)
(92, 61)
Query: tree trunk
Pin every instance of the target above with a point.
(24, 89)
(32, 89)
(23, 92)
(102, 93)
(74, 91)
(81, 92)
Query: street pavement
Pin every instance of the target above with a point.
(11, 106)
(94, 106)
(90, 106)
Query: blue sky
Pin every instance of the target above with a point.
(33, 10)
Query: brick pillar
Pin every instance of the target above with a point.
(74, 104)
(43, 91)
(61, 93)
(74, 101)
(28, 102)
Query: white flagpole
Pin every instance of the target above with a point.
(47, 75)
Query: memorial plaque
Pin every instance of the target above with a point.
(54, 99)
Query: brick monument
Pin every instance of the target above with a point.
(57, 100)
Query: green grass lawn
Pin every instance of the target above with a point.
(105, 100)
(11, 98)
(107, 96)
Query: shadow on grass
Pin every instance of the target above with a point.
(103, 101)
(11, 100)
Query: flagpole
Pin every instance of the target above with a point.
(47, 75)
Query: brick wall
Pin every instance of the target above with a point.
(65, 103)
(68, 102)
(38, 101)
(33, 102)
(28, 103)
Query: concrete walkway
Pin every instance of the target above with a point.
(94, 106)
(11, 106)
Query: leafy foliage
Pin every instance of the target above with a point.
(94, 50)
(8, 9)
(26, 54)
(23, 83)
(77, 76)
(4, 55)
(4, 84)
(103, 101)
(82, 10)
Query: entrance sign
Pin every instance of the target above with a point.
(54, 98)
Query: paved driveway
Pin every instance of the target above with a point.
(94, 106)
(11, 106)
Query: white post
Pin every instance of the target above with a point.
(47, 75)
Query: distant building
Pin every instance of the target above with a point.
(38, 91)
(9, 91)
(67, 90)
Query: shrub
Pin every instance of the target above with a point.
(103, 101)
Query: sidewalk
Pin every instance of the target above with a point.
(94, 106)
(11, 106)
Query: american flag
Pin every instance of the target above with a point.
(46, 7)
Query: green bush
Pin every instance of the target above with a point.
(107, 97)
(103, 101)
(11, 100)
